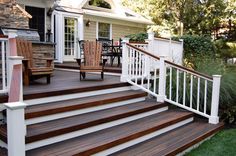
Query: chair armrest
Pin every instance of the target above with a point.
(47, 59)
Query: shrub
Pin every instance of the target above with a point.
(197, 46)
(140, 37)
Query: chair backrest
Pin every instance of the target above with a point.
(92, 53)
(24, 48)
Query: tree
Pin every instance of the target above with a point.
(187, 16)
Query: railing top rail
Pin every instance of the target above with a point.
(189, 70)
(173, 64)
(143, 51)
(168, 40)
(138, 42)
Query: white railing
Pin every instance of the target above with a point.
(3, 56)
(140, 45)
(172, 83)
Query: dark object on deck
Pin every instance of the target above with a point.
(24, 48)
(92, 59)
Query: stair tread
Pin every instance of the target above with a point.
(81, 103)
(78, 122)
(100, 140)
(173, 142)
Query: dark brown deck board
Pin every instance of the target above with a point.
(81, 103)
(104, 139)
(173, 142)
(67, 82)
(61, 126)
(74, 66)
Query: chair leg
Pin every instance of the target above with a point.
(48, 79)
(80, 75)
(102, 75)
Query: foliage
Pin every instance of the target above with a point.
(140, 37)
(197, 46)
(194, 17)
(219, 145)
(225, 49)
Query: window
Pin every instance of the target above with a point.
(100, 3)
(104, 31)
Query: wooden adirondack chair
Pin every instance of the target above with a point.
(30, 72)
(92, 59)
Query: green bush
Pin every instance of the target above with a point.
(140, 37)
(197, 46)
(225, 49)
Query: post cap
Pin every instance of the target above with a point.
(15, 105)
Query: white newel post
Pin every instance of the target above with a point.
(125, 59)
(214, 118)
(162, 80)
(16, 129)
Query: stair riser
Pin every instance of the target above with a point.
(91, 129)
(81, 111)
(74, 96)
(143, 138)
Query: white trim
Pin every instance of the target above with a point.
(111, 31)
(81, 111)
(91, 129)
(143, 138)
(97, 29)
(75, 96)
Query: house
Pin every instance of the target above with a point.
(73, 20)
(111, 117)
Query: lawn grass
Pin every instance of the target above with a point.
(222, 144)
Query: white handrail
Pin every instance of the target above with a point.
(174, 84)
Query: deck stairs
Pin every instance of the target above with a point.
(118, 121)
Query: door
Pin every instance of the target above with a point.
(70, 38)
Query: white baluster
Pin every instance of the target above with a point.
(184, 89)
(198, 92)
(191, 92)
(205, 97)
(177, 86)
(162, 80)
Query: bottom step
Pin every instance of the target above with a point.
(108, 138)
(173, 142)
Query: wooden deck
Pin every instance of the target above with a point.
(74, 66)
(67, 82)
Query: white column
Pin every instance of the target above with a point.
(125, 59)
(214, 118)
(16, 128)
(162, 80)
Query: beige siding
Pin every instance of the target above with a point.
(119, 31)
(90, 32)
